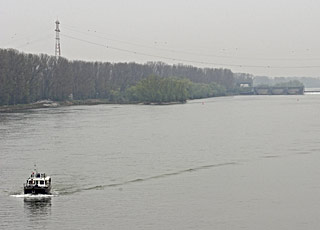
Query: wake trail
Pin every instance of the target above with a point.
(139, 180)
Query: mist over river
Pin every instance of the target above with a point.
(245, 162)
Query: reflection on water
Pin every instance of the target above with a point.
(37, 206)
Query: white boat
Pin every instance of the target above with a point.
(38, 183)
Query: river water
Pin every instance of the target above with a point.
(246, 162)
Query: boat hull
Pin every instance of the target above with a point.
(37, 190)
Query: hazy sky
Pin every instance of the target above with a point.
(269, 37)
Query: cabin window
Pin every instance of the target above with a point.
(41, 182)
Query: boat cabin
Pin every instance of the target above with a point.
(38, 180)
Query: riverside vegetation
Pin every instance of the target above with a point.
(27, 78)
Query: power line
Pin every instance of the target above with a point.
(46, 37)
(187, 60)
(17, 36)
(71, 28)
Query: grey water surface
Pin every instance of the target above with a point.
(246, 162)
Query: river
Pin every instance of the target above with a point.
(245, 162)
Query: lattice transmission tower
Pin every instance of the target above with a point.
(58, 48)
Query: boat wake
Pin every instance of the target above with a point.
(139, 180)
(31, 196)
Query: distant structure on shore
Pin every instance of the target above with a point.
(272, 90)
(278, 90)
(245, 84)
(57, 48)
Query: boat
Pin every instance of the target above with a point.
(38, 183)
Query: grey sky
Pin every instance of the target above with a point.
(281, 37)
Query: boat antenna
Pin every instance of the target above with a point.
(35, 168)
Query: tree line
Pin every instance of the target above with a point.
(26, 78)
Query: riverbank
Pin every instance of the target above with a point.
(55, 104)
(21, 107)
(49, 104)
